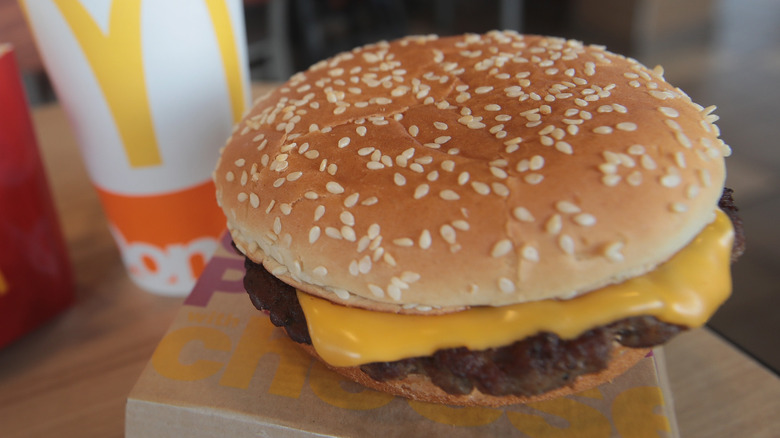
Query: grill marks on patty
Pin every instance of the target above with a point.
(530, 366)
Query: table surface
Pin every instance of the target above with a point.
(72, 376)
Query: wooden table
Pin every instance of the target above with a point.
(71, 377)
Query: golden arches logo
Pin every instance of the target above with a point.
(116, 59)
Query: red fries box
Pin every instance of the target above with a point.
(36, 282)
(223, 369)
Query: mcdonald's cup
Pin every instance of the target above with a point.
(152, 90)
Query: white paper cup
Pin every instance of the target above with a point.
(152, 89)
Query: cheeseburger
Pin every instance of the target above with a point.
(480, 219)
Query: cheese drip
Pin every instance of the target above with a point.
(686, 290)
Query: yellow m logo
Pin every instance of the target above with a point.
(116, 58)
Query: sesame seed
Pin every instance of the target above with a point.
(376, 290)
(669, 112)
(399, 179)
(270, 206)
(242, 197)
(498, 172)
(240, 162)
(585, 219)
(449, 195)
(254, 200)
(612, 252)
(635, 178)
(404, 241)
(602, 130)
(277, 227)
(626, 126)
(661, 95)
(279, 270)
(564, 147)
(333, 233)
(347, 218)
(421, 191)
(511, 148)
(678, 207)
(370, 201)
(679, 158)
(611, 180)
(671, 180)
(461, 225)
(683, 139)
(230, 176)
(554, 224)
(286, 208)
(440, 126)
(414, 130)
(334, 187)
(496, 128)
(536, 162)
(693, 191)
(314, 234)
(425, 239)
(530, 253)
(506, 285)
(366, 151)
(501, 248)
(363, 243)
(608, 168)
(647, 162)
(533, 178)
(566, 243)
(480, 187)
(567, 207)
(500, 189)
(443, 139)
(522, 214)
(394, 292)
(318, 212)
(447, 233)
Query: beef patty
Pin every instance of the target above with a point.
(531, 366)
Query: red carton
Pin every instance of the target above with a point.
(224, 370)
(36, 282)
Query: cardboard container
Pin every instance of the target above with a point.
(36, 281)
(224, 370)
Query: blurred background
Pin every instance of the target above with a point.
(721, 52)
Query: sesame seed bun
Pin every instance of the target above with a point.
(418, 387)
(428, 174)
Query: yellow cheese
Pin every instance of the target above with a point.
(685, 290)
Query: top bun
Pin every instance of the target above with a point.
(431, 174)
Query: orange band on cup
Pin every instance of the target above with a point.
(164, 219)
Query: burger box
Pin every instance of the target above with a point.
(223, 369)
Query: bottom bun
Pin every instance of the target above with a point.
(419, 387)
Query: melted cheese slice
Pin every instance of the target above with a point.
(685, 290)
